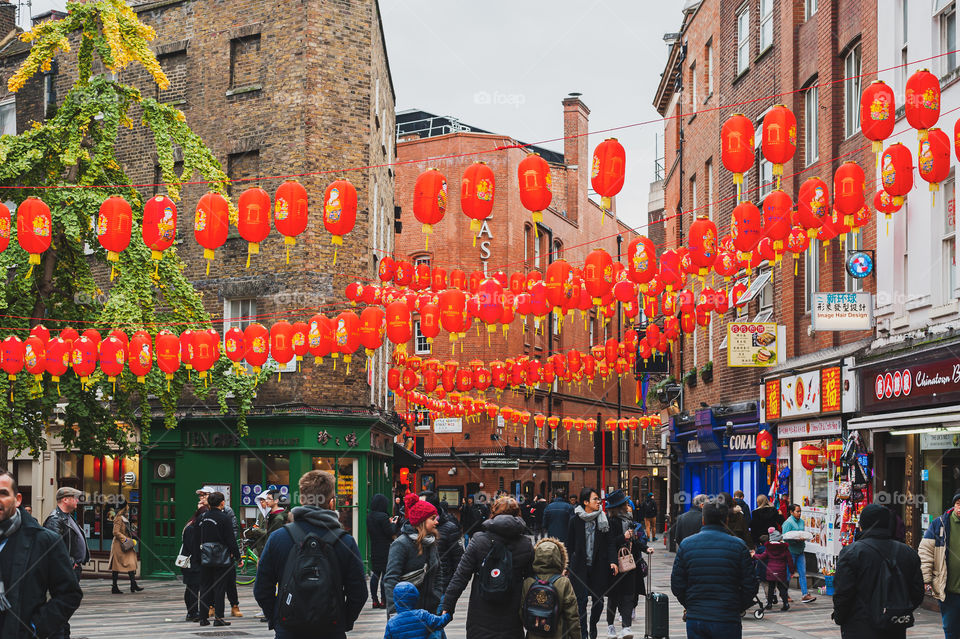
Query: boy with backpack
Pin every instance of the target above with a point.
(411, 622)
(310, 580)
(549, 604)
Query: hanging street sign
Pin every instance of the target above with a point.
(842, 312)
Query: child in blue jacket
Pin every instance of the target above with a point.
(410, 622)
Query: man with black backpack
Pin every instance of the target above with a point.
(878, 583)
(310, 580)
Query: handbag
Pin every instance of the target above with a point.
(625, 560)
(128, 544)
(214, 554)
(415, 577)
(182, 561)
(644, 568)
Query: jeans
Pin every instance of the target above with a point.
(950, 611)
(583, 591)
(714, 629)
(191, 591)
(801, 571)
(377, 594)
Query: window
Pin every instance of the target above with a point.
(526, 242)
(421, 259)
(536, 251)
(851, 90)
(709, 69)
(948, 241)
(421, 345)
(50, 93)
(743, 41)
(948, 37)
(8, 117)
(174, 66)
(592, 322)
(765, 172)
(766, 293)
(557, 251)
(242, 166)
(851, 284)
(694, 337)
(904, 33)
(239, 313)
(158, 180)
(811, 274)
(693, 192)
(811, 101)
(766, 24)
(709, 170)
(756, 286)
(245, 61)
(710, 341)
(693, 88)
(809, 8)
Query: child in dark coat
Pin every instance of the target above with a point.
(779, 562)
(411, 623)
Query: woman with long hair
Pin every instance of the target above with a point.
(414, 557)
(763, 517)
(488, 616)
(123, 551)
(191, 573)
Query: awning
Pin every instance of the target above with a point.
(944, 416)
(403, 458)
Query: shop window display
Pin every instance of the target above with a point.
(257, 474)
(106, 485)
(344, 470)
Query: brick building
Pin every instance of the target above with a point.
(754, 55)
(457, 464)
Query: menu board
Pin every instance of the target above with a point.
(751, 344)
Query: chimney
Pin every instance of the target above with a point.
(8, 17)
(576, 118)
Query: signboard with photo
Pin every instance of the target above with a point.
(800, 394)
(751, 344)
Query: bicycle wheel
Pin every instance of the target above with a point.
(247, 569)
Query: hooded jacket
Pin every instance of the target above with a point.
(556, 518)
(549, 559)
(405, 558)
(381, 532)
(487, 620)
(411, 622)
(933, 554)
(761, 520)
(47, 593)
(778, 560)
(270, 569)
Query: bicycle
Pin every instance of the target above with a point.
(247, 566)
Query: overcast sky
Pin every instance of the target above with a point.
(505, 65)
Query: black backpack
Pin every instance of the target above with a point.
(541, 607)
(890, 605)
(311, 592)
(495, 576)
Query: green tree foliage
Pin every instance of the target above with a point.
(75, 148)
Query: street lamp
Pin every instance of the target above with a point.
(656, 458)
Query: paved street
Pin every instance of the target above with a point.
(159, 611)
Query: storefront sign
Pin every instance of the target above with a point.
(830, 389)
(926, 381)
(800, 394)
(751, 345)
(500, 463)
(772, 395)
(811, 429)
(842, 312)
(939, 441)
(207, 439)
(743, 442)
(693, 447)
(448, 425)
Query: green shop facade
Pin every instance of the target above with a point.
(358, 449)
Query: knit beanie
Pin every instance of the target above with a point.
(775, 536)
(418, 510)
(955, 498)
(874, 516)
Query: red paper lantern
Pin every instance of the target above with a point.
(186, 349)
(896, 172)
(736, 146)
(112, 358)
(319, 337)
(598, 274)
(253, 221)
(797, 243)
(933, 159)
(281, 343)
(34, 357)
(452, 304)
(877, 108)
(764, 445)
(386, 269)
(641, 261)
(883, 202)
(922, 101)
(608, 170)
(813, 204)
(159, 225)
(779, 137)
(93, 335)
(533, 174)
(430, 200)
(114, 225)
(476, 194)
(848, 186)
(809, 456)
(58, 358)
(84, 359)
(339, 211)
(776, 219)
(4, 227)
(956, 141)
(207, 352)
(11, 357)
(211, 224)
(703, 244)
(290, 204)
(398, 323)
(346, 337)
(233, 344)
(372, 328)
(726, 265)
(746, 227)
(256, 340)
(140, 356)
(34, 227)
(490, 298)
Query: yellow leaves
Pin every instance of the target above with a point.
(180, 116)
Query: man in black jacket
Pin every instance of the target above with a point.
(556, 517)
(689, 523)
(859, 573)
(40, 589)
(471, 516)
(215, 527)
(381, 530)
(449, 544)
(61, 522)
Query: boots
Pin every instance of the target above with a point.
(235, 611)
(116, 589)
(133, 581)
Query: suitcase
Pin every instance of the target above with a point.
(657, 615)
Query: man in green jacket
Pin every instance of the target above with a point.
(795, 523)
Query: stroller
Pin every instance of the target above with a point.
(761, 569)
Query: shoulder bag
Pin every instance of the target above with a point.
(182, 561)
(128, 544)
(214, 554)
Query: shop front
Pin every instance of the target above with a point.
(357, 449)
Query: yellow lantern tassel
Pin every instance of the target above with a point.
(113, 272)
(279, 374)
(29, 272)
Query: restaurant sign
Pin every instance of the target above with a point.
(917, 381)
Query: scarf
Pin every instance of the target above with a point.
(427, 541)
(592, 521)
(8, 528)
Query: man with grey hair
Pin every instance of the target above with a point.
(61, 521)
(689, 523)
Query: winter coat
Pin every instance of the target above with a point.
(597, 576)
(270, 568)
(57, 522)
(713, 576)
(273, 522)
(761, 520)
(450, 547)
(649, 508)
(556, 518)
(381, 532)
(778, 561)
(858, 577)
(745, 509)
(405, 558)
(933, 554)
(121, 560)
(411, 622)
(45, 591)
(191, 547)
(688, 524)
(471, 516)
(215, 526)
(549, 559)
(624, 584)
(487, 620)
(738, 526)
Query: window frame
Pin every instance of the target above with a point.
(766, 22)
(811, 274)
(693, 88)
(809, 9)
(10, 101)
(230, 321)
(811, 128)
(708, 168)
(709, 69)
(418, 338)
(743, 40)
(947, 63)
(851, 90)
(948, 270)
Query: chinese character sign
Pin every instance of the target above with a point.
(773, 399)
(830, 385)
(750, 344)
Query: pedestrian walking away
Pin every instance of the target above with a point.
(689, 523)
(310, 582)
(556, 517)
(381, 530)
(231, 586)
(123, 552)
(650, 516)
(794, 524)
(878, 582)
(218, 552)
(61, 522)
(777, 564)
(549, 566)
(414, 556)
(471, 516)
(190, 565)
(744, 506)
(762, 519)
(593, 559)
(411, 622)
(498, 559)
(450, 544)
(737, 523)
(38, 587)
(714, 578)
(940, 562)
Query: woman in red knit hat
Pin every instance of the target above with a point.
(414, 557)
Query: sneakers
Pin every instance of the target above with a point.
(808, 598)
(612, 632)
(626, 633)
